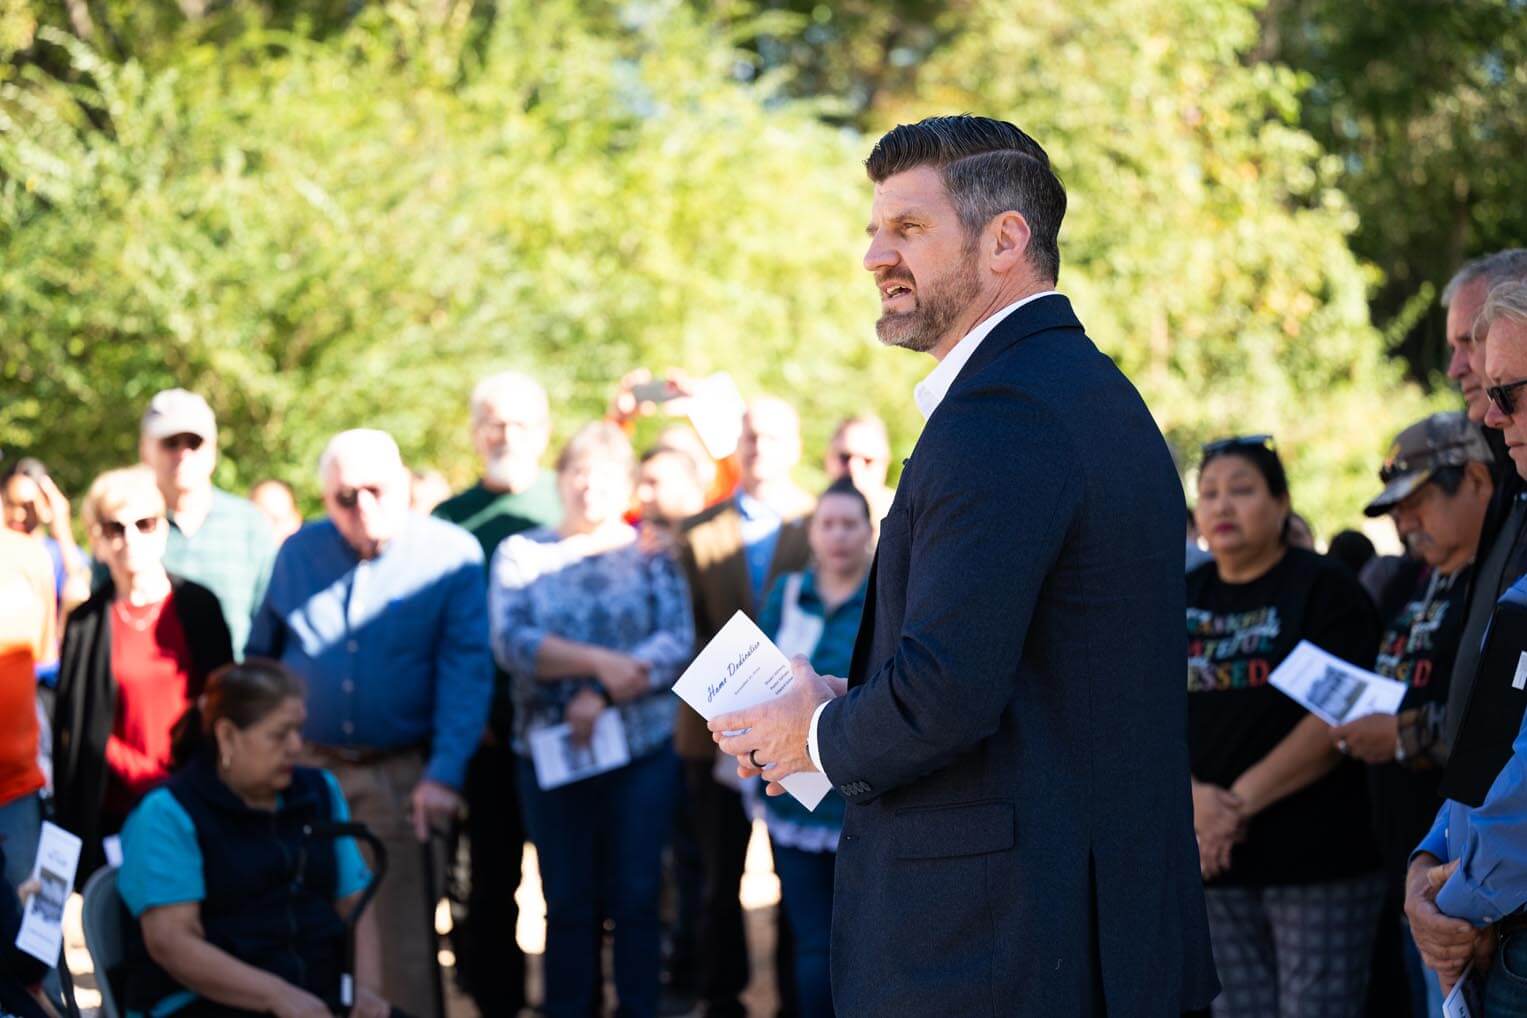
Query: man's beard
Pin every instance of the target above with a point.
(939, 303)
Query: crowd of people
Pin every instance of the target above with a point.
(220, 698)
(217, 678)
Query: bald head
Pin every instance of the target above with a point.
(365, 488)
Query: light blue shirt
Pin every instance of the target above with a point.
(760, 535)
(1489, 841)
(394, 649)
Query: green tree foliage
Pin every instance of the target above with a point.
(320, 235)
(1423, 103)
(340, 220)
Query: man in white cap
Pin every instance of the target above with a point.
(216, 539)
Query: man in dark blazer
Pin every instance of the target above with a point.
(1012, 743)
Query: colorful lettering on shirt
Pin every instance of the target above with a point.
(1413, 641)
(1232, 651)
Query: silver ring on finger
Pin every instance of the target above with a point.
(1343, 748)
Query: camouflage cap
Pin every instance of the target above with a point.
(1447, 439)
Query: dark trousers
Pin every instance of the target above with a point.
(1506, 982)
(489, 958)
(721, 827)
(601, 852)
(805, 881)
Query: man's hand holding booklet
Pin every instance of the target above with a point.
(742, 675)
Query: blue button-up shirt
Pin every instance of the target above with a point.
(394, 649)
(1490, 841)
(760, 535)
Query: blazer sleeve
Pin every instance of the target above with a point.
(993, 498)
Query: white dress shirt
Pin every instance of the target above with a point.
(929, 393)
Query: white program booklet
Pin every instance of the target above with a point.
(42, 924)
(560, 761)
(1333, 690)
(742, 668)
(1467, 999)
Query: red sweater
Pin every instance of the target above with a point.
(152, 667)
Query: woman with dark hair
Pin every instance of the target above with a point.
(816, 613)
(1292, 871)
(238, 888)
(133, 657)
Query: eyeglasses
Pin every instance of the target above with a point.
(1504, 396)
(349, 498)
(175, 443)
(115, 530)
(1223, 445)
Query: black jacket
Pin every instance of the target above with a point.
(271, 880)
(1013, 746)
(86, 706)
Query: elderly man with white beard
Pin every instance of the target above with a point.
(511, 423)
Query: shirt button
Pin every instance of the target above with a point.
(352, 646)
(347, 686)
(347, 728)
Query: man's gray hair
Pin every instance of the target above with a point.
(366, 444)
(510, 388)
(1507, 300)
(1494, 269)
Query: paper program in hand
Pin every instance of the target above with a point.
(742, 668)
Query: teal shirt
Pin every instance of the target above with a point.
(230, 554)
(832, 655)
(162, 865)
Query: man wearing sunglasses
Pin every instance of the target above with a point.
(861, 451)
(1467, 893)
(384, 613)
(216, 539)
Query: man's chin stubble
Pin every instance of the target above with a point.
(897, 331)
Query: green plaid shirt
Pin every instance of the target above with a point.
(230, 555)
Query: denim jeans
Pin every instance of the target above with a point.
(1425, 989)
(1506, 983)
(805, 882)
(20, 826)
(600, 844)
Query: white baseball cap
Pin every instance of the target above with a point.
(179, 412)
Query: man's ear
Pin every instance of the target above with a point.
(1009, 241)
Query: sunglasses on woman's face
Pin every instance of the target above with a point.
(115, 530)
(1504, 396)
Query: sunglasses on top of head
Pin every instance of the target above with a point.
(117, 529)
(1223, 445)
(1504, 396)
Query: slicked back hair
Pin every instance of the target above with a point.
(988, 167)
(1494, 269)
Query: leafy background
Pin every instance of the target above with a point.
(324, 215)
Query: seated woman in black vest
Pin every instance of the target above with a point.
(239, 893)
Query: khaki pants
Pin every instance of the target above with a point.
(378, 794)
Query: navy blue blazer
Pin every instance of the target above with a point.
(1019, 836)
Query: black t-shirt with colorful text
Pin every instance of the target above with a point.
(1237, 634)
(1424, 623)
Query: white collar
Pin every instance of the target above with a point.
(930, 392)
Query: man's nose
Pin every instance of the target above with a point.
(1494, 418)
(880, 254)
(1458, 364)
